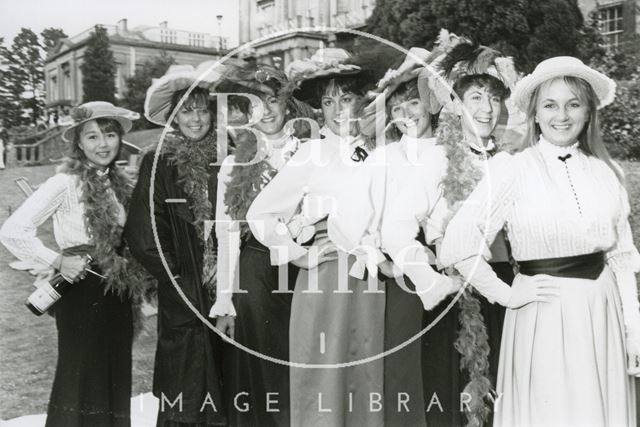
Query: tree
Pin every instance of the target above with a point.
(137, 85)
(528, 30)
(50, 37)
(98, 68)
(25, 77)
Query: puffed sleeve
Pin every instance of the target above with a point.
(276, 204)
(474, 227)
(228, 233)
(623, 256)
(138, 232)
(355, 226)
(19, 232)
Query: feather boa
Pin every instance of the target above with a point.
(247, 180)
(124, 275)
(462, 176)
(191, 160)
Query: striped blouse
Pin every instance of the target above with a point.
(58, 198)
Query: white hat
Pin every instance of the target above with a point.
(178, 77)
(603, 86)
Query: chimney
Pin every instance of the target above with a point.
(122, 26)
(164, 24)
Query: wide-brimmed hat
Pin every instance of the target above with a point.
(603, 86)
(324, 64)
(459, 56)
(256, 79)
(99, 110)
(157, 104)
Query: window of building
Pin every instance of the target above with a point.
(168, 36)
(266, 13)
(66, 81)
(610, 20)
(196, 39)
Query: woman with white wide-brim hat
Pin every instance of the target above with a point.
(571, 335)
(188, 364)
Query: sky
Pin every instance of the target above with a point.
(75, 16)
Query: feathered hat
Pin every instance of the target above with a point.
(458, 56)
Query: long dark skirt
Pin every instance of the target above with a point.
(262, 325)
(403, 390)
(92, 385)
(331, 327)
(442, 378)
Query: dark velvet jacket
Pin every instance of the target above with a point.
(188, 355)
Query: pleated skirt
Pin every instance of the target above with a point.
(563, 363)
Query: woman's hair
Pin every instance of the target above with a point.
(106, 126)
(339, 84)
(199, 96)
(590, 139)
(484, 80)
(404, 92)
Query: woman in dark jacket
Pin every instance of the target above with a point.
(187, 373)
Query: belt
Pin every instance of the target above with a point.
(588, 266)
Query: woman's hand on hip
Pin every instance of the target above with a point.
(528, 289)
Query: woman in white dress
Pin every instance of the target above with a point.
(572, 313)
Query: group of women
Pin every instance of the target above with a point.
(404, 271)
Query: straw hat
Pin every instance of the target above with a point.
(99, 110)
(157, 104)
(603, 86)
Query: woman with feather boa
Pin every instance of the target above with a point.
(252, 307)
(461, 343)
(87, 199)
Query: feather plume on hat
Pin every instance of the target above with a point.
(460, 56)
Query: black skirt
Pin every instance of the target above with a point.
(262, 325)
(92, 385)
(442, 378)
(403, 389)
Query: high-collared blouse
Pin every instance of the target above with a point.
(309, 185)
(59, 198)
(554, 201)
(377, 191)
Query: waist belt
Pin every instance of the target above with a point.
(587, 266)
(79, 250)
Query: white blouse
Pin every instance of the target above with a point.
(58, 197)
(228, 230)
(310, 184)
(551, 208)
(388, 173)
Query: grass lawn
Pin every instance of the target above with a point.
(28, 343)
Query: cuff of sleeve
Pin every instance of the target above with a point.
(284, 254)
(47, 256)
(437, 290)
(222, 307)
(625, 262)
(503, 295)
